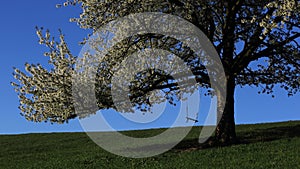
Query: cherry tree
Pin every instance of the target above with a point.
(257, 42)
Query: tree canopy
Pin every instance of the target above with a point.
(257, 42)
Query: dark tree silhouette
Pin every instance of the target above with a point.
(257, 42)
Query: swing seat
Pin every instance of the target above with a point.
(188, 118)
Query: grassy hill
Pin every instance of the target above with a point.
(271, 145)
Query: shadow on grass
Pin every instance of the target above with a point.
(248, 136)
(254, 136)
(270, 134)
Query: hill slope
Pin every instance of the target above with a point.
(272, 145)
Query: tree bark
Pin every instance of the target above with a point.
(225, 131)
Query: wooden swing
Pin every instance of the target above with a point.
(189, 118)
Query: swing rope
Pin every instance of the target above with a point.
(189, 118)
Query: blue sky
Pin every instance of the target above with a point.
(19, 44)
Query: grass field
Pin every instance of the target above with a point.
(266, 146)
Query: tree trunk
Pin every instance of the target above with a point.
(225, 132)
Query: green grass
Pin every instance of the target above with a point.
(272, 145)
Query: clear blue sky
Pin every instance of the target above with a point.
(19, 44)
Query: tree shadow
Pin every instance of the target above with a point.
(270, 134)
(245, 137)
